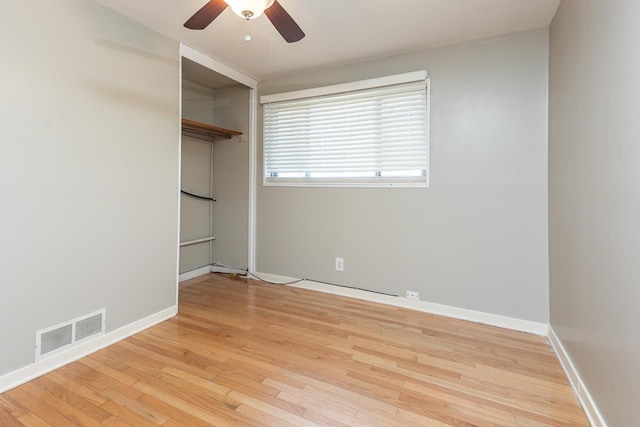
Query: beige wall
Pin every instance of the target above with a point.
(88, 170)
(477, 239)
(594, 197)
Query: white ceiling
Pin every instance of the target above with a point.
(337, 31)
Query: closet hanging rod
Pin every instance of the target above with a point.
(195, 242)
(197, 197)
(202, 136)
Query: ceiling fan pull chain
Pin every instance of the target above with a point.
(247, 37)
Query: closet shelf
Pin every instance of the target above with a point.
(207, 130)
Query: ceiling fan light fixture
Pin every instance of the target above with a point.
(249, 9)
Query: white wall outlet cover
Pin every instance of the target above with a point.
(340, 264)
(413, 295)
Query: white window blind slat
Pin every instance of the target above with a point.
(375, 136)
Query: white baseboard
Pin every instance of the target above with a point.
(30, 372)
(584, 397)
(529, 326)
(209, 269)
(227, 270)
(194, 273)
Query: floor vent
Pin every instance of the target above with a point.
(55, 339)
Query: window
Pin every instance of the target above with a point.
(367, 133)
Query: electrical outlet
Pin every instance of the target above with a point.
(339, 264)
(413, 295)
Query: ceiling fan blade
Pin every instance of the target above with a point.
(205, 16)
(284, 23)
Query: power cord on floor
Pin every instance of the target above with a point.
(276, 283)
(249, 274)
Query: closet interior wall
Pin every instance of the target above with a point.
(217, 168)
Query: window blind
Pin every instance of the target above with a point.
(375, 136)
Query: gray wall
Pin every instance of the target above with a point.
(226, 107)
(231, 177)
(88, 169)
(195, 215)
(197, 101)
(594, 197)
(477, 238)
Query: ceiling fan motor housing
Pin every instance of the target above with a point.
(249, 9)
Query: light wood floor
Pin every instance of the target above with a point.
(245, 353)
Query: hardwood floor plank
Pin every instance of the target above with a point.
(8, 419)
(114, 421)
(331, 420)
(124, 414)
(52, 415)
(63, 394)
(75, 415)
(116, 375)
(207, 414)
(145, 415)
(178, 416)
(249, 403)
(10, 409)
(74, 387)
(31, 420)
(245, 353)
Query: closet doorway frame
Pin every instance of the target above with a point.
(220, 68)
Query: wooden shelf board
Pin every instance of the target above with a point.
(198, 127)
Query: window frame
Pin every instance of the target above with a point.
(343, 88)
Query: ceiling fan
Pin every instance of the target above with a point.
(248, 9)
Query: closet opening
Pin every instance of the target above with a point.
(216, 170)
